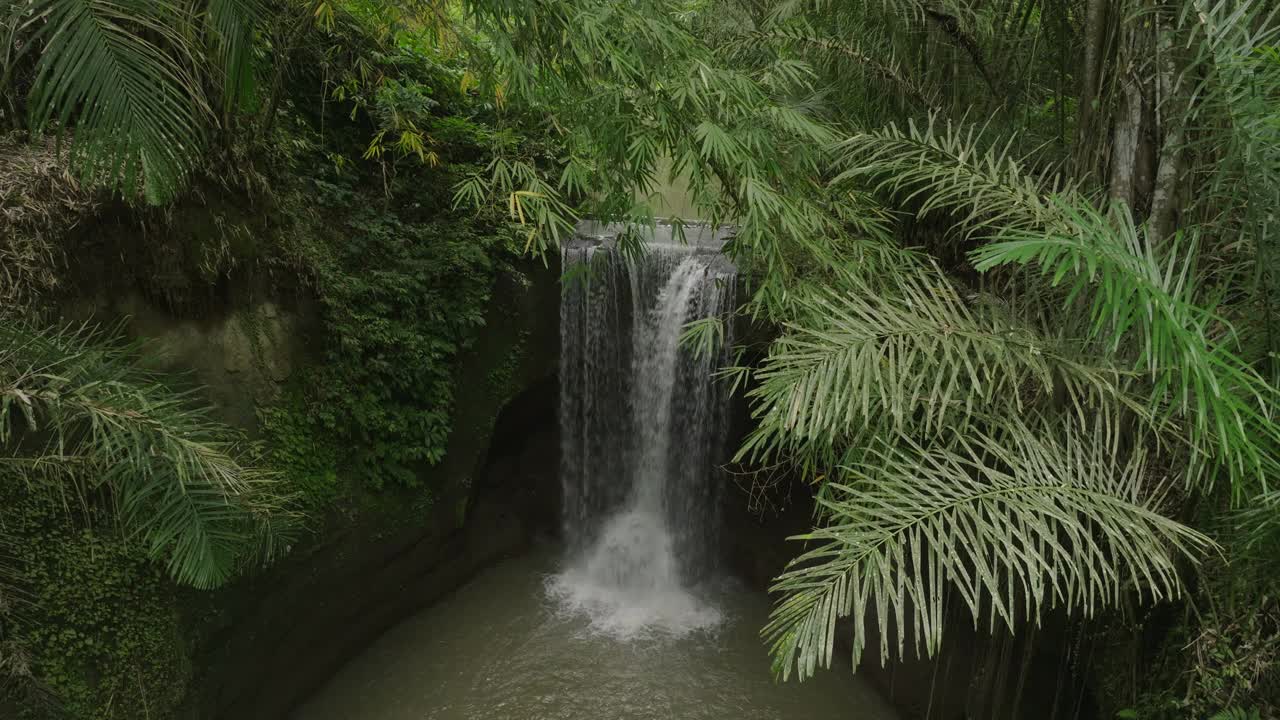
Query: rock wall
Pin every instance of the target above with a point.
(239, 352)
(278, 636)
(265, 643)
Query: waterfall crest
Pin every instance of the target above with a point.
(642, 428)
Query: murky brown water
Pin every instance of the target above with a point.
(500, 649)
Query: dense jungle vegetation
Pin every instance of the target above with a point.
(1014, 264)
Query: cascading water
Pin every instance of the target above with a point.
(641, 421)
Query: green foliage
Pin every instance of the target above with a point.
(1073, 527)
(400, 296)
(118, 69)
(502, 381)
(1234, 126)
(307, 459)
(664, 107)
(114, 488)
(402, 280)
(921, 403)
(1008, 422)
(100, 623)
(399, 301)
(1147, 297)
(133, 78)
(356, 202)
(943, 167)
(1220, 658)
(862, 377)
(81, 419)
(946, 426)
(906, 352)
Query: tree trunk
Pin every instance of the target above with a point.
(1124, 147)
(1171, 120)
(1095, 34)
(1133, 149)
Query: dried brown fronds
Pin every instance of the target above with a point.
(40, 202)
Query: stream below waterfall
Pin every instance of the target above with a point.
(502, 648)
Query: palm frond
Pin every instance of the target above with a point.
(177, 477)
(121, 72)
(942, 167)
(232, 24)
(1145, 297)
(909, 352)
(1014, 521)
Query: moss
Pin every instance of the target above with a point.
(102, 625)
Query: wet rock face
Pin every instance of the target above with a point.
(312, 616)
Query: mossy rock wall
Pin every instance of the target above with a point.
(139, 646)
(271, 640)
(240, 356)
(103, 627)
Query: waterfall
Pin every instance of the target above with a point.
(641, 422)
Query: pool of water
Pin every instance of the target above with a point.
(508, 647)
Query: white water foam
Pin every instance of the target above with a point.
(628, 584)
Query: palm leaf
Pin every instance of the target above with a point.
(232, 24)
(1145, 297)
(943, 167)
(120, 71)
(908, 352)
(177, 478)
(1014, 521)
